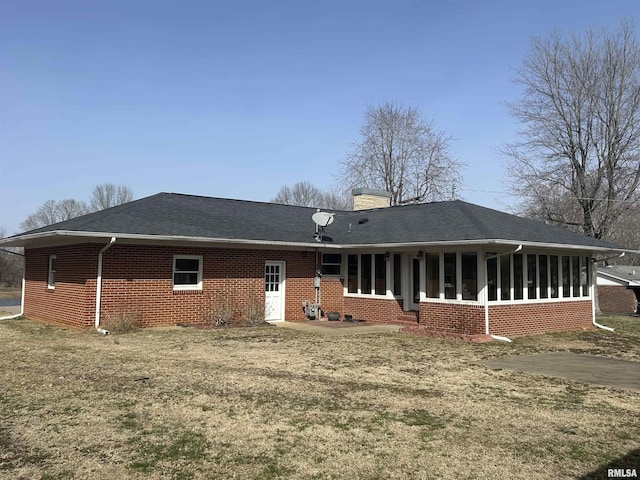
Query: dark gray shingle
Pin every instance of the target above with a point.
(171, 214)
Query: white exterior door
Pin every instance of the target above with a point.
(411, 282)
(274, 276)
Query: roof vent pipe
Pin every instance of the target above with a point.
(99, 286)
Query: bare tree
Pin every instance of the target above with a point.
(403, 154)
(626, 231)
(53, 212)
(109, 195)
(305, 194)
(577, 162)
(103, 196)
(11, 261)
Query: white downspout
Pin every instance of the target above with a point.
(99, 286)
(593, 311)
(24, 270)
(486, 296)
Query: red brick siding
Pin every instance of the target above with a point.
(452, 318)
(612, 299)
(72, 302)
(331, 295)
(534, 318)
(374, 310)
(139, 279)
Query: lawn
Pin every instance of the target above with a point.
(269, 402)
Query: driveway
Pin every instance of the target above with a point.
(578, 368)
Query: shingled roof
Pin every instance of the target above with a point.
(166, 216)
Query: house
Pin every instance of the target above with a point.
(447, 267)
(619, 289)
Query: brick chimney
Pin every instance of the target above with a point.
(365, 198)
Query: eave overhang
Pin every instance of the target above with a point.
(67, 237)
(627, 282)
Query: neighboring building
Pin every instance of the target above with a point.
(618, 289)
(451, 267)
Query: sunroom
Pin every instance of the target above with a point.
(436, 287)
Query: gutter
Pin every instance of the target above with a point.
(593, 311)
(99, 286)
(486, 294)
(63, 235)
(9, 317)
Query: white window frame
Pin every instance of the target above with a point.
(180, 287)
(388, 293)
(51, 277)
(339, 264)
(525, 274)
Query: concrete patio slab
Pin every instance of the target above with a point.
(578, 368)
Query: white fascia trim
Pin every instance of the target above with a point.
(462, 243)
(627, 282)
(19, 242)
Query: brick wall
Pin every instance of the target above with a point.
(139, 279)
(374, 310)
(516, 320)
(452, 318)
(331, 295)
(72, 302)
(614, 299)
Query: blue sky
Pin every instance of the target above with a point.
(237, 98)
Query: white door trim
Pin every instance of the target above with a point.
(281, 290)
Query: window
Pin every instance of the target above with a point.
(469, 276)
(518, 278)
(492, 277)
(272, 278)
(505, 277)
(575, 276)
(331, 264)
(544, 280)
(532, 283)
(433, 275)
(584, 276)
(555, 275)
(566, 276)
(365, 273)
(187, 272)
(381, 274)
(51, 282)
(450, 275)
(397, 274)
(352, 274)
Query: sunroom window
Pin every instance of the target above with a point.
(433, 275)
(450, 275)
(469, 276)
